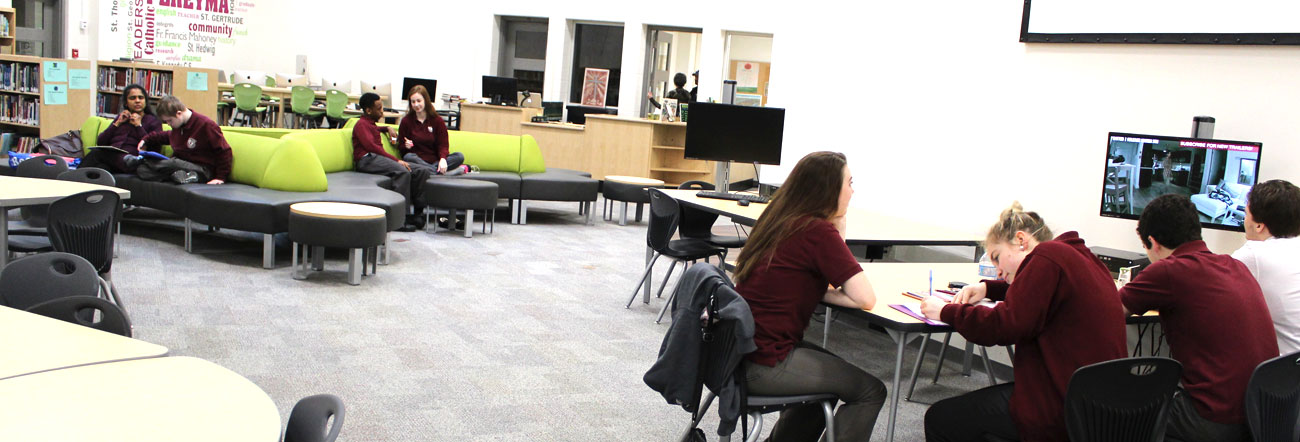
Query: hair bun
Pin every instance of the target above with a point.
(1013, 210)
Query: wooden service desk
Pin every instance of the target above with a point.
(495, 119)
(16, 191)
(160, 399)
(31, 343)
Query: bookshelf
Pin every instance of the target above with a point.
(7, 30)
(158, 80)
(25, 114)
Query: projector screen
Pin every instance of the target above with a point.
(1162, 21)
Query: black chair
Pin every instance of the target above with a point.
(1124, 400)
(1273, 400)
(44, 167)
(698, 224)
(89, 175)
(35, 279)
(665, 214)
(310, 419)
(83, 225)
(81, 309)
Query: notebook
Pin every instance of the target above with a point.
(914, 310)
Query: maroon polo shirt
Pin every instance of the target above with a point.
(365, 139)
(429, 138)
(1061, 313)
(1215, 320)
(783, 291)
(198, 141)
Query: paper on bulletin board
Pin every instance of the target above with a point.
(56, 71)
(196, 81)
(747, 76)
(56, 94)
(78, 78)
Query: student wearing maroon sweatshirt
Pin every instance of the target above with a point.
(1059, 308)
(369, 156)
(796, 249)
(1195, 290)
(199, 150)
(131, 125)
(422, 136)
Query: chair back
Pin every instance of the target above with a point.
(696, 223)
(1124, 400)
(335, 101)
(248, 96)
(270, 81)
(35, 279)
(1273, 400)
(82, 224)
(45, 166)
(302, 97)
(80, 310)
(310, 419)
(89, 175)
(665, 214)
(696, 185)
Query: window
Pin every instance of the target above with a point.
(599, 47)
(523, 56)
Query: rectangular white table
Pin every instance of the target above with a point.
(31, 343)
(159, 399)
(16, 191)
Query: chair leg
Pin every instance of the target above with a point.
(591, 207)
(296, 263)
(354, 272)
(699, 415)
(469, 223)
(622, 220)
(942, 351)
(672, 297)
(828, 409)
(667, 276)
(317, 258)
(916, 368)
(523, 212)
(649, 266)
(758, 427)
(988, 367)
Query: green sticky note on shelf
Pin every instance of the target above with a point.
(78, 78)
(56, 71)
(56, 94)
(196, 81)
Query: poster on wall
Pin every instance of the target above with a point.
(173, 32)
(747, 77)
(594, 85)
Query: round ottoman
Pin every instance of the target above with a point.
(628, 189)
(359, 228)
(460, 194)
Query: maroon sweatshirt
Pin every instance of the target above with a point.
(429, 138)
(199, 141)
(365, 139)
(127, 136)
(1061, 313)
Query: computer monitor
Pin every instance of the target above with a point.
(429, 84)
(743, 134)
(254, 77)
(384, 90)
(578, 113)
(335, 83)
(501, 90)
(1215, 174)
(289, 80)
(553, 110)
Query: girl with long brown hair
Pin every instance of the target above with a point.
(422, 136)
(796, 250)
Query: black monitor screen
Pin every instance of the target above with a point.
(430, 84)
(1216, 174)
(725, 132)
(500, 89)
(578, 114)
(552, 110)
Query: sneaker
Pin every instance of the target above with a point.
(185, 177)
(472, 169)
(131, 161)
(445, 223)
(408, 227)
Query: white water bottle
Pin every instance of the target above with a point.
(986, 267)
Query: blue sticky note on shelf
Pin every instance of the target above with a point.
(56, 94)
(78, 78)
(196, 81)
(56, 71)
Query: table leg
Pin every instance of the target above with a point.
(4, 236)
(901, 338)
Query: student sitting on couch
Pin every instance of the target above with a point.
(422, 137)
(199, 149)
(370, 157)
(130, 126)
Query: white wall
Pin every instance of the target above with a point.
(951, 117)
(751, 48)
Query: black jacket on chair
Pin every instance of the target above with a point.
(685, 358)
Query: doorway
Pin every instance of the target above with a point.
(670, 51)
(39, 28)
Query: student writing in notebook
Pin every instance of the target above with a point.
(796, 249)
(131, 125)
(1195, 290)
(1059, 309)
(200, 153)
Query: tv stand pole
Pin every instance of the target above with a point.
(722, 176)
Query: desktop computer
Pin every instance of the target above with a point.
(500, 90)
(342, 85)
(727, 133)
(288, 81)
(1118, 259)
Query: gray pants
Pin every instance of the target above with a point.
(406, 182)
(1186, 423)
(454, 161)
(809, 369)
(162, 170)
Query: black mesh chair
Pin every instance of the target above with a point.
(665, 214)
(1124, 400)
(310, 419)
(83, 225)
(35, 279)
(1273, 400)
(698, 224)
(92, 175)
(82, 309)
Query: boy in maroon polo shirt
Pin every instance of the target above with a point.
(199, 149)
(369, 156)
(1194, 290)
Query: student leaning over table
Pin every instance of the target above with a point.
(1272, 254)
(199, 149)
(795, 250)
(422, 136)
(1194, 289)
(1059, 309)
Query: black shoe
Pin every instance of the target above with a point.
(418, 221)
(445, 223)
(408, 227)
(185, 177)
(131, 161)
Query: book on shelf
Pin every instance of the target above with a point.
(108, 105)
(20, 77)
(5, 31)
(20, 109)
(12, 142)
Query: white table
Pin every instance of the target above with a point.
(31, 343)
(15, 192)
(160, 399)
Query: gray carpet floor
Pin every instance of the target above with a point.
(518, 335)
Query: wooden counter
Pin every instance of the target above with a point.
(493, 119)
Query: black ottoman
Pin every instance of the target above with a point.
(357, 227)
(460, 194)
(627, 189)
